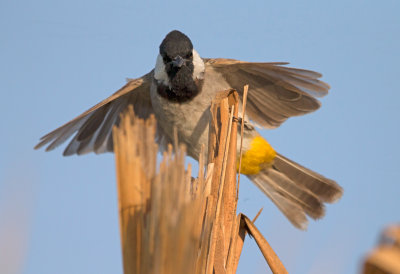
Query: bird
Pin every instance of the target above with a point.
(179, 91)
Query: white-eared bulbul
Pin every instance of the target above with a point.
(179, 90)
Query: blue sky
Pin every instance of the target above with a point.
(58, 58)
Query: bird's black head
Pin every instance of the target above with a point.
(175, 48)
(177, 52)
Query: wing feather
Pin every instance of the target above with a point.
(303, 84)
(60, 135)
(276, 92)
(92, 123)
(105, 130)
(93, 128)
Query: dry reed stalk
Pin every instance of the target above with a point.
(159, 211)
(133, 183)
(386, 257)
(222, 152)
(245, 91)
(229, 230)
(171, 223)
(270, 256)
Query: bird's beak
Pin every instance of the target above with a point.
(178, 61)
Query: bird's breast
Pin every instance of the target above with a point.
(191, 118)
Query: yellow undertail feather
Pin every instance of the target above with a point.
(260, 155)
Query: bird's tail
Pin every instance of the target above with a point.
(296, 190)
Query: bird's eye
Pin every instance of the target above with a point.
(166, 59)
(189, 55)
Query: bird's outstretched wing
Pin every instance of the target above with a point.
(276, 92)
(93, 128)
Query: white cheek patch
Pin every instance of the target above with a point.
(198, 72)
(161, 76)
(159, 72)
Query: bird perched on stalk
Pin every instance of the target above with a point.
(179, 91)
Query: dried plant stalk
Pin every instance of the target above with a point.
(270, 256)
(169, 222)
(222, 152)
(386, 257)
(160, 212)
(132, 155)
(245, 91)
